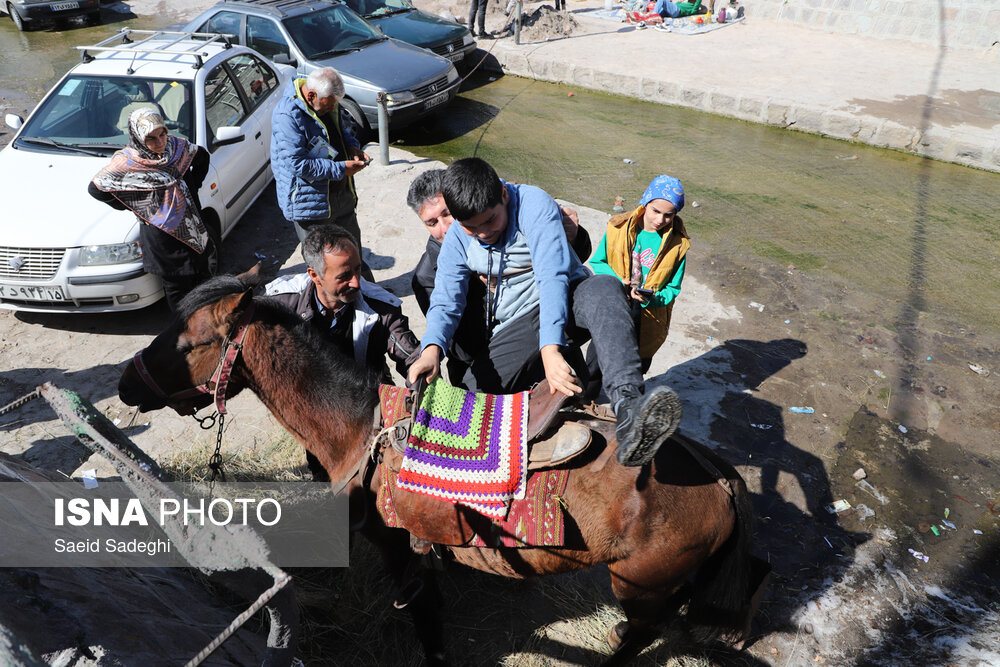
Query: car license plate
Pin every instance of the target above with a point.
(436, 100)
(31, 293)
(61, 6)
(456, 57)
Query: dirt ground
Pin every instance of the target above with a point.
(912, 404)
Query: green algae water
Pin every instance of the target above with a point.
(895, 226)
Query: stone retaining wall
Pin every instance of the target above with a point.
(961, 24)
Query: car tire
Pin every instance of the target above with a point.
(362, 130)
(16, 18)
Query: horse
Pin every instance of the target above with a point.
(677, 530)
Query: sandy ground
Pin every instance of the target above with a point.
(748, 343)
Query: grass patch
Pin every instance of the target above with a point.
(279, 460)
(802, 261)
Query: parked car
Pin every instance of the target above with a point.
(316, 33)
(62, 250)
(27, 14)
(401, 20)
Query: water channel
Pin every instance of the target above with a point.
(895, 226)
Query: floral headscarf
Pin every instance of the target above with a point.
(152, 184)
(665, 187)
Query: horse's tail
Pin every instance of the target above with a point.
(720, 601)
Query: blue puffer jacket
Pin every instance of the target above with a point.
(302, 181)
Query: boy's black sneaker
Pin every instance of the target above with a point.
(644, 423)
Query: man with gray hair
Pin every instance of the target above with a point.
(315, 154)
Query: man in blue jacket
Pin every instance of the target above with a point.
(511, 237)
(314, 154)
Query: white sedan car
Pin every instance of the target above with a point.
(63, 251)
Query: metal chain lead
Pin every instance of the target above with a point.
(215, 463)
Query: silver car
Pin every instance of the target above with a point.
(316, 33)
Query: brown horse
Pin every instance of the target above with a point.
(668, 532)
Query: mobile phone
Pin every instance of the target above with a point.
(645, 292)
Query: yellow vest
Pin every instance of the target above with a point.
(622, 232)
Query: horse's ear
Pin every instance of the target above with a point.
(231, 306)
(251, 277)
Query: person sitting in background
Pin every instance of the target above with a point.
(157, 177)
(426, 200)
(647, 250)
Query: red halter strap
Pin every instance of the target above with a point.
(220, 378)
(232, 349)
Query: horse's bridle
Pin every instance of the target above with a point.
(220, 378)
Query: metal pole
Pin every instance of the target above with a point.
(517, 23)
(383, 127)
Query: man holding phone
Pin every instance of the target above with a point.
(315, 155)
(647, 250)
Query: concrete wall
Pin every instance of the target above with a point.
(960, 24)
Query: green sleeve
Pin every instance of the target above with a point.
(599, 260)
(688, 8)
(666, 294)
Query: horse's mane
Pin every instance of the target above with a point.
(335, 381)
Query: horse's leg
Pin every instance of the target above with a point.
(424, 607)
(647, 617)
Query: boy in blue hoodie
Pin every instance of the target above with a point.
(511, 237)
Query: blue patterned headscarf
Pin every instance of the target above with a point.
(665, 187)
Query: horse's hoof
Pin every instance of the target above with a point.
(617, 635)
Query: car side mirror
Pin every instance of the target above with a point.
(13, 121)
(227, 135)
(284, 59)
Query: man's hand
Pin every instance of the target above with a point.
(558, 372)
(571, 222)
(427, 364)
(352, 167)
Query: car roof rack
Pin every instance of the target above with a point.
(128, 45)
(280, 7)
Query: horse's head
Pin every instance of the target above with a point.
(175, 368)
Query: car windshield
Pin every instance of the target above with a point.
(91, 113)
(376, 8)
(331, 31)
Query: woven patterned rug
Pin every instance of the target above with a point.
(392, 403)
(536, 521)
(468, 448)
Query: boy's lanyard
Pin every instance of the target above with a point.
(491, 298)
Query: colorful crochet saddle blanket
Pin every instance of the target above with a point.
(468, 448)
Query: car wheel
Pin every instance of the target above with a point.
(361, 128)
(15, 17)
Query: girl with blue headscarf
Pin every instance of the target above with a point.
(646, 249)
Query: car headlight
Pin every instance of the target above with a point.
(116, 253)
(401, 97)
(467, 39)
(452, 75)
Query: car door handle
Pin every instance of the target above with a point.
(257, 136)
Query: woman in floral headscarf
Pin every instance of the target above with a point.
(157, 177)
(647, 250)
